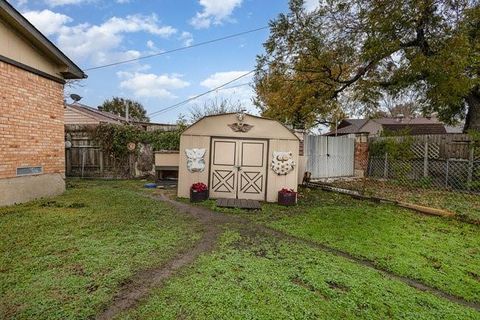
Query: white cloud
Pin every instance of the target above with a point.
(103, 57)
(96, 43)
(48, 22)
(21, 3)
(151, 85)
(151, 45)
(214, 12)
(220, 78)
(187, 38)
(56, 3)
(237, 92)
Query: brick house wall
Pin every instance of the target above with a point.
(31, 122)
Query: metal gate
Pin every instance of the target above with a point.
(329, 157)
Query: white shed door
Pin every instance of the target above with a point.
(238, 169)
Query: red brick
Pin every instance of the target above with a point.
(31, 122)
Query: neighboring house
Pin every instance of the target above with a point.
(83, 157)
(77, 114)
(374, 127)
(32, 76)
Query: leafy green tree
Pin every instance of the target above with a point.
(118, 106)
(359, 50)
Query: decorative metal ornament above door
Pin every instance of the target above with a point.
(240, 126)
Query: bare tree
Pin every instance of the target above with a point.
(213, 107)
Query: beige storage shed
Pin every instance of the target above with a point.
(238, 156)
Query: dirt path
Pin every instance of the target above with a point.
(213, 222)
(143, 282)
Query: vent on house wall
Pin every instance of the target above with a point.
(25, 171)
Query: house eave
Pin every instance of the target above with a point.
(19, 22)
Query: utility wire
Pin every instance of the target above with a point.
(179, 104)
(177, 49)
(236, 86)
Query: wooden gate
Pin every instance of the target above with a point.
(329, 157)
(238, 169)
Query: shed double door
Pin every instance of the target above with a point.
(238, 169)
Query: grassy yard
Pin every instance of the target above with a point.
(443, 253)
(65, 257)
(466, 206)
(258, 277)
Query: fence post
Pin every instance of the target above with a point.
(68, 160)
(446, 174)
(83, 160)
(100, 161)
(470, 168)
(425, 160)
(385, 168)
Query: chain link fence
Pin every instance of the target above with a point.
(436, 171)
(451, 174)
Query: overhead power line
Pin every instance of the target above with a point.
(181, 103)
(177, 49)
(236, 86)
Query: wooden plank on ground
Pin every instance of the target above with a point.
(238, 203)
(221, 202)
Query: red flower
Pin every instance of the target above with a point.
(199, 187)
(286, 190)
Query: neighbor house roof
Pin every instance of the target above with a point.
(101, 116)
(108, 117)
(348, 126)
(9, 14)
(416, 126)
(407, 120)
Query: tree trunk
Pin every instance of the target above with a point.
(472, 122)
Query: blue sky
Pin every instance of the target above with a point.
(97, 32)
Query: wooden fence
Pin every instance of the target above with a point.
(84, 159)
(439, 146)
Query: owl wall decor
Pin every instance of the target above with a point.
(282, 162)
(195, 160)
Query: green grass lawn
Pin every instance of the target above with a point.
(258, 277)
(64, 258)
(465, 205)
(443, 253)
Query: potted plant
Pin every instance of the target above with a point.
(287, 197)
(198, 192)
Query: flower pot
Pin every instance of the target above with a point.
(198, 196)
(287, 199)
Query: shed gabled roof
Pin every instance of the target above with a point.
(19, 22)
(217, 126)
